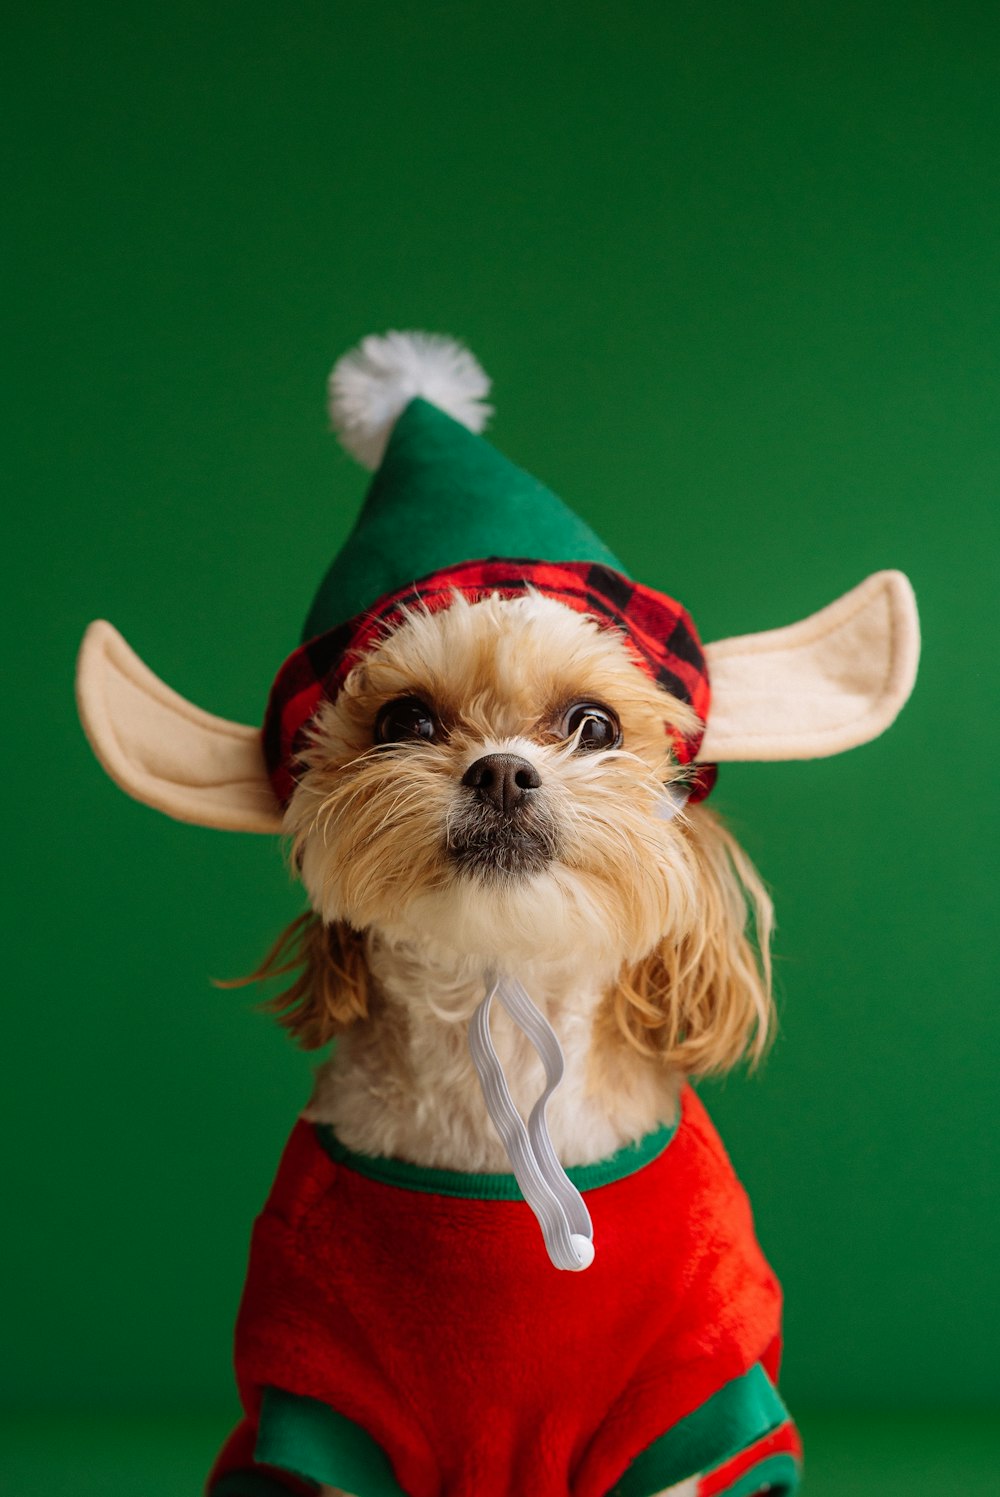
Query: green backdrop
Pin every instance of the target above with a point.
(734, 270)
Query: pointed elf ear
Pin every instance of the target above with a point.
(163, 750)
(826, 684)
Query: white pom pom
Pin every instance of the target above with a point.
(371, 386)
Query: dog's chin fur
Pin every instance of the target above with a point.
(626, 927)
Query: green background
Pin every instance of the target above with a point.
(734, 270)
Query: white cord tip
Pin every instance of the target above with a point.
(584, 1249)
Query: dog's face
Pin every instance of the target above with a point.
(491, 777)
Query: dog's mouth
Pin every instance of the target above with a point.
(494, 846)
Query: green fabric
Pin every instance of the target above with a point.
(441, 496)
(740, 1413)
(499, 1187)
(930, 1452)
(313, 1441)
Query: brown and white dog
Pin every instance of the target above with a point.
(489, 790)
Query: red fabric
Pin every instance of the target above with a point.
(781, 1441)
(663, 639)
(440, 1326)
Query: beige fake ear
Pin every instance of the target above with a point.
(826, 684)
(163, 750)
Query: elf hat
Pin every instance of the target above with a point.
(446, 513)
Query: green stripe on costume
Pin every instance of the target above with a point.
(740, 1413)
(311, 1440)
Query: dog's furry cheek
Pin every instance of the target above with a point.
(367, 839)
(323, 891)
(369, 882)
(626, 868)
(620, 922)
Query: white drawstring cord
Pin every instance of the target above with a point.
(556, 1202)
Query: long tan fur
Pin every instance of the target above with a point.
(704, 1002)
(331, 987)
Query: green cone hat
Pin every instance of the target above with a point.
(441, 494)
(446, 514)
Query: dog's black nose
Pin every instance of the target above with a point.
(502, 779)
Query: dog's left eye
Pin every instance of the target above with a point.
(594, 727)
(408, 717)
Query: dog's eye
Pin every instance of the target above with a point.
(593, 726)
(408, 717)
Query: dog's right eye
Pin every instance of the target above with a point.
(408, 717)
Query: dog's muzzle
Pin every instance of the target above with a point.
(500, 828)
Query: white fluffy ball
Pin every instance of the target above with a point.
(370, 387)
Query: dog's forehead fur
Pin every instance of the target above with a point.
(506, 665)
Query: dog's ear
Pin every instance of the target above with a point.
(164, 751)
(703, 1002)
(818, 687)
(331, 985)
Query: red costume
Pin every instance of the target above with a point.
(402, 1331)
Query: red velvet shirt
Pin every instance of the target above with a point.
(403, 1331)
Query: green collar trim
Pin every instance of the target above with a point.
(500, 1187)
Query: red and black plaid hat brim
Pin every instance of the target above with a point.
(662, 636)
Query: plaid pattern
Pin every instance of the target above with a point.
(661, 634)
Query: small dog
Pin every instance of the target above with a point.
(486, 792)
(492, 783)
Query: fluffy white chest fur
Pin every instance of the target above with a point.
(404, 1085)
